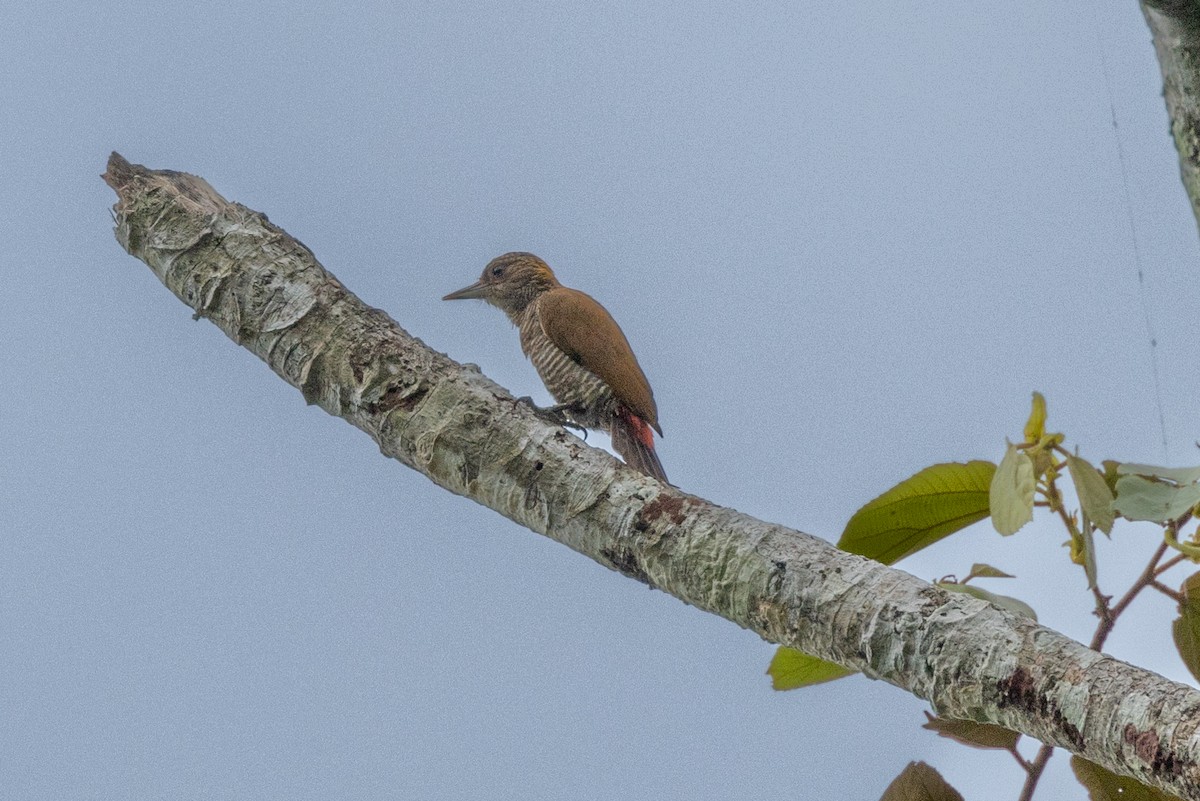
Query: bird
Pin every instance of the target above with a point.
(580, 353)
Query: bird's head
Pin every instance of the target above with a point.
(510, 282)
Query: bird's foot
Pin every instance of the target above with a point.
(558, 415)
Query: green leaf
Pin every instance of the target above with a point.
(980, 570)
(1186, 628)
(919, 782)
(1003, 601)
(1112, 471)
(1140, 498)
(791, 669)
(1095, 498)
(1158, 494)
(1180, 475)
(976, 735)
(1104, 785)
(919, 511)
(1083, 552)
(1011, 495)
(1035, 427)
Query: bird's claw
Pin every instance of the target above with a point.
(554, 414)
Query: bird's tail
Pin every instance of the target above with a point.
(633, 438)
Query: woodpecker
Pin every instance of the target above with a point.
(580, 353)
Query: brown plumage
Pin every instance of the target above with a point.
(579, 351)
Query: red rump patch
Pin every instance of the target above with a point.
(641, 428)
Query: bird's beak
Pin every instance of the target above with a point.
(475, 290)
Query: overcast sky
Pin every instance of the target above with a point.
(846, 241)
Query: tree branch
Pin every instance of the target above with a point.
(969, 659)
(1175, 27)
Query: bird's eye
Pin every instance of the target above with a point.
(497, 271)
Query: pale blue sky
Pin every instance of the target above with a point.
(845, 241)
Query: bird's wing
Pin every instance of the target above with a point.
(588, 334)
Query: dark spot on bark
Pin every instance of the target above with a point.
(533, 496)
(398, 397)
(311, 388)
(775, 577)
(1145, 743)
(409, 401)
(1019, 690)
(1148, 747)
(671, 507)
(538, 465)
(623, 561)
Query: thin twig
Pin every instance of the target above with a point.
(1170, 563)
(1144, 580)
(1022, 761)
(1174, 595)
(1034, 771)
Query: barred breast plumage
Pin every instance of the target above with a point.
(590, 399)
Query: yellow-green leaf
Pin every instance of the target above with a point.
(919, 782)
(1104, 785)
(981, 570)
(1035, 427)
(1003, 601)
(1186, 628)
(1083, 553)
(1112, 471)
(976, 735)
(1140, 498)
(919, 511)
(791, 669)
(1095, 498)
(1190, 548)
(1011, 496)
